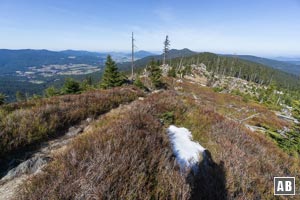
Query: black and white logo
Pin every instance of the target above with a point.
(284, 185)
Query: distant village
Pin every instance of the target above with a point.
(53, 70)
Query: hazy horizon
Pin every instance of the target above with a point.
(297, 57)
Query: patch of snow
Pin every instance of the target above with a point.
(186, 151)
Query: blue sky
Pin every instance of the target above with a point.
(258, 27)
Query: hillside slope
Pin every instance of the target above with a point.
(225, 65)
(126, 153)
(26, 125)
(236, 67)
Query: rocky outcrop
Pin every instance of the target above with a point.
(165, 69)
(29, 166)
(33, 165)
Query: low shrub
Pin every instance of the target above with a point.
(127, 156)
(35, 121)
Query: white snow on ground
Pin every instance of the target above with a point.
(187, 152)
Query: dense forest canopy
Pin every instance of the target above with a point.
(233, 66)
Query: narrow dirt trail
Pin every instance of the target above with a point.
(10, 183)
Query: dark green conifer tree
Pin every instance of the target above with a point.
(172, 72)
(155, 74)
(51, 91)
(139, 83)
(111, 76)
(71, 87)
(2, 98)
(86, 84)
(20, 96)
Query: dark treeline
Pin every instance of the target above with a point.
(239, 68)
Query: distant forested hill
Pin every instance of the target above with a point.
(294, 62)
(289, 67)
(237, 67)
(19, 60)
(227, 65)
(173, 53)
(142, 54)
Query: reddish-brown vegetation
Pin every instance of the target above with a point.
(127, 158)
(250, 160)
(35, 121)
(128, 155)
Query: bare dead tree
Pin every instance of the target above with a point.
(240, 72)
(166, 48)
(132, 56)
(270, 81)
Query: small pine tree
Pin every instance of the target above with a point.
(111, 76)
(155, 74)
(20, 96)
(187, 70)
(172, 72)
(51, 91)
(71, 87)
(2, 99)
(89, 80)
(86, 84)
(35, 97)
(139, 83)
(158, 62)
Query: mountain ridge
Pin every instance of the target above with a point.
(11, 82)
(173, 53)
(281, 65)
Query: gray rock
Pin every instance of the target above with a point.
(30, 166)
(89, 120)
(74, 131)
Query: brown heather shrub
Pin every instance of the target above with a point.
(251, 161)
(127, 158)
(248, 160)
(35, 121)
(244, 163)
(222, 103)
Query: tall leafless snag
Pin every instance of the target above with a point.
(132, 56)
(166, 48)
